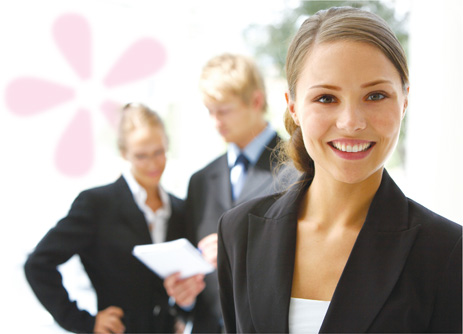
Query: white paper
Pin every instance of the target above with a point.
(174, 256)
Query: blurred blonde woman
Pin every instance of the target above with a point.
(102, 227)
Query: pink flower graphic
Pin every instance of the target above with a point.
(27, 96)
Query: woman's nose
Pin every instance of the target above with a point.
(351, 118)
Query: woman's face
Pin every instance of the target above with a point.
(349, 104)
(146, 151)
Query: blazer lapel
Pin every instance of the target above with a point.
(270, 263)
(176, 225)
(260, 179)
(219, 185)
(371, 272)
(132, 214)
(375, 263)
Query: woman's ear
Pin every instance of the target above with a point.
(405, 103)
(291, 108)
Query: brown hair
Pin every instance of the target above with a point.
(334, 24)
(133, 116)
(231, 75)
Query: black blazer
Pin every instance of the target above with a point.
(403, 275)
(102, 227)
(209, 196)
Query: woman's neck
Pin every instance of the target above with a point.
(153, 198)
(330, 203)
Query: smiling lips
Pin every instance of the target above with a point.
(351, 149)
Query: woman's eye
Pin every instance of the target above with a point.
(326, 99)
(141, 156)
(375, 97)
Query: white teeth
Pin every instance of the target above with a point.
(351, 149)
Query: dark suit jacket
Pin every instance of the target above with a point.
(209, 196)
(403, 275)
(102, 227)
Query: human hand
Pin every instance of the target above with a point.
(184, 291)
(208, 247)
(179, 326)
(109, 321)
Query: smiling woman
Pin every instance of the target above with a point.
(143, 143)
(348, 94)
(344, 246)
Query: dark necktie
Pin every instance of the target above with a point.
(238, 174)
(242, 160)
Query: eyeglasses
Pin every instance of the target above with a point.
(145, 157)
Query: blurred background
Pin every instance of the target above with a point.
(67, 65)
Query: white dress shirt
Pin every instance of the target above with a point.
(156, 220)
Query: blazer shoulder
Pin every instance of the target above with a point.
(437, 234)
(108, 188)
(107, 191)
(433, 223)
(176, 203)
(274, 142)
(217, 163)
(198, 179)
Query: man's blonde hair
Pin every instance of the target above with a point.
(232, 75)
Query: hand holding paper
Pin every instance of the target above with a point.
(170, 257)
(184, 291)
(208, 247)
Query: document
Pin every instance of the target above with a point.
(174, 256)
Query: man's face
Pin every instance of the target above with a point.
(234, 120)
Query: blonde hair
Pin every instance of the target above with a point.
(334, 24)
(134, 116)
(231, 75)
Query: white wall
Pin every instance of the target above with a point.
(434, 167)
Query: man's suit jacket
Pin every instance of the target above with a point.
(403, 274)
(209, 196)
(102, 227)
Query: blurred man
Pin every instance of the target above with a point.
(234, 93)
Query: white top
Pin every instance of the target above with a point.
(306, 315)
(158, 219)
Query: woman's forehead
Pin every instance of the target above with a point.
(346, 62)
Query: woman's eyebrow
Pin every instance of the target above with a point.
(365, 85)
(376, 82)
(326, 86)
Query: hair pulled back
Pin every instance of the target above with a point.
(331, 25)
(134, 116)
